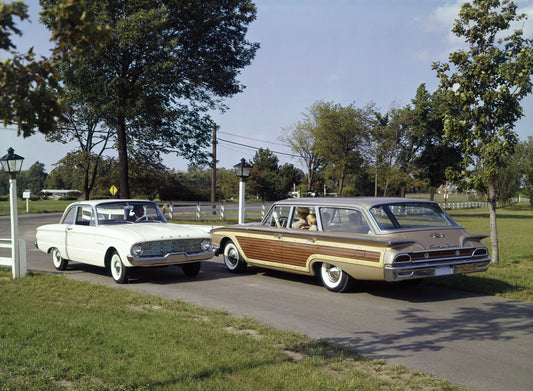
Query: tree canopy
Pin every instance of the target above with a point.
(29, 87)
(484, 85)
(166, 65)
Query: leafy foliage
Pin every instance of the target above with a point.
(29, 87)
(164, 68)
(484, 89)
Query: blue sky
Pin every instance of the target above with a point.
(345, 51)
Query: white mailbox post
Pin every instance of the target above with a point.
(27, 196)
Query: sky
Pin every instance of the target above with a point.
(341, 51)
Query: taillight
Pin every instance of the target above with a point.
(402, 258)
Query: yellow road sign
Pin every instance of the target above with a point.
(113, 190)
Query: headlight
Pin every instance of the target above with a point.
(205, 245)
(136, 250)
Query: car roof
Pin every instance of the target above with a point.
(97, 202)
(365, 202)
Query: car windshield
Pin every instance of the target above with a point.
(410, 215)
(129, 212)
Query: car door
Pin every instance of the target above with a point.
(80, 236)
(298, 244)
(262, 245)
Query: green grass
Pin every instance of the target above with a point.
(513, 277)
(61, 334)
(40, 206)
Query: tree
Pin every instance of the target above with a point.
(29, 88)
(264, 175)
(33, 179)
(68, 173)
(438, 156)
(341, 136)
(484, 90)
(166, 65)
(301, 140)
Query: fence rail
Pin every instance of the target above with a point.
(222, 210)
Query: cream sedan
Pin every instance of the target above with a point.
(120, 235)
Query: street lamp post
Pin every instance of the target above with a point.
(12, 164)
(242, 170)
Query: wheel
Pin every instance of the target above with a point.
(191, 269)
(232, 259)
(334, 278)
(60, 263)
(119, 272)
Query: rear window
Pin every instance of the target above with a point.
(410, 215)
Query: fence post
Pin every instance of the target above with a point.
(198, 211)
(222, 209)
(263, 209)
(19, 270)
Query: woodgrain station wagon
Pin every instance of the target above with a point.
(381, 239)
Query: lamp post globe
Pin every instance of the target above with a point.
(11, 163)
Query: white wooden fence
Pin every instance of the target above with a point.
(213, 210)
(19, 268)
(222, 210)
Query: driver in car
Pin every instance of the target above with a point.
(138, 213)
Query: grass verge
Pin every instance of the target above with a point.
(60, 334)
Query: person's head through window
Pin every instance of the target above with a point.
(301, 215)
(138, 212)
(311, 220)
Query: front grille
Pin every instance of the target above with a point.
(163, 247)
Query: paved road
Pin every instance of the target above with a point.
(481, 342)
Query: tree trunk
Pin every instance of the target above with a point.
(495, 255)
(341, 184)
(86, 191)
(123, 161)
(432, 193)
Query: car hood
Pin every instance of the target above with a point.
(160, 231)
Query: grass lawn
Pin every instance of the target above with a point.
(513, 277)
(61, 334)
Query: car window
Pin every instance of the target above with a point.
(128, 211)
(344, 220)
(84, 216)
(70, 217)
(410, 215)
(278, 217)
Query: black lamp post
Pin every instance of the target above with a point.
(242, 170)
(12, 164)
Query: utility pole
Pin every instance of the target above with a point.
(214, 167)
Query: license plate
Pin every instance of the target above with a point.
(443, 271)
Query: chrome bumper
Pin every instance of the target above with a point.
(408, 272)
(170, 259)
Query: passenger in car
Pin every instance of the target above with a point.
(301, 214)
(311, 219)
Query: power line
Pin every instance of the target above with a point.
(253, 139)
(257, 148)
